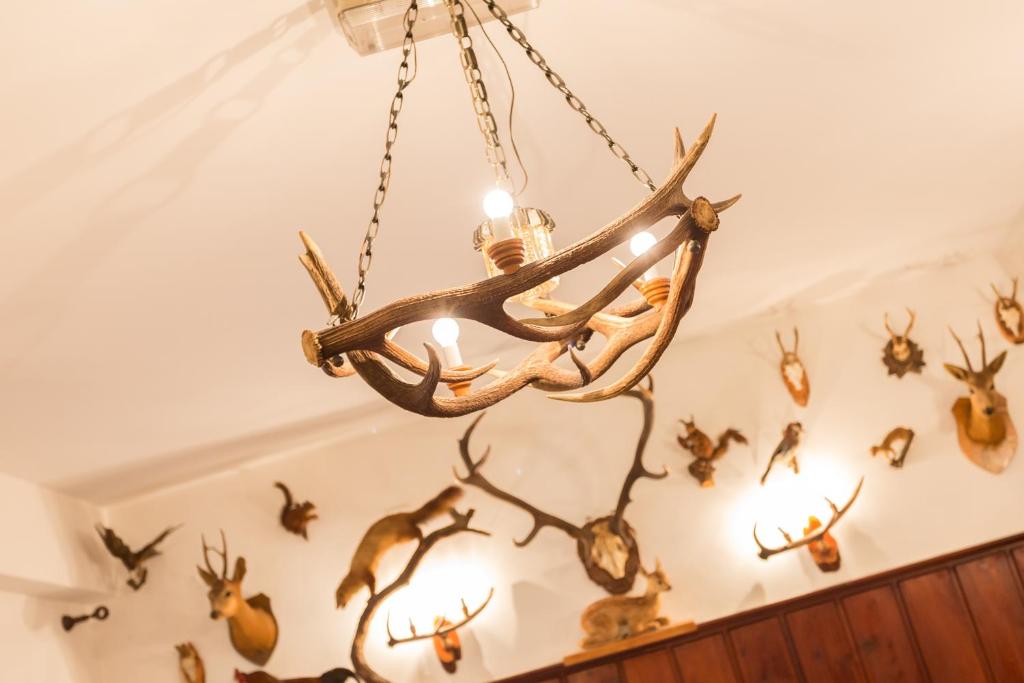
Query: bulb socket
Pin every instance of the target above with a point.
(656, 290)
(508, 255)
(459, 388)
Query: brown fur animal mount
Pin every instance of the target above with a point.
(447, 647)
(401, 527)
(824, 551)
(902, 435)
(901, 354)
(190, 664)
(705, 451)
(133, 560)
(296, 516)
(794, 375)
(251, 623)
(606, 546)
(1010, 315)
(619, 617)
(985, 431)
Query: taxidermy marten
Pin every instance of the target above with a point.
(387, 532)
(332, 676)
(295, 516)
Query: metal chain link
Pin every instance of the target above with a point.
(481, 105)
(574, 102)
(404, 79)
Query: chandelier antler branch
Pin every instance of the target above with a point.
(363, 345)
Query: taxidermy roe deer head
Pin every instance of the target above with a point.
(251, 622)
(901, 355)
(984, 428)
(619, 617)
(606, 545)
(1010, 315)
(794, 375)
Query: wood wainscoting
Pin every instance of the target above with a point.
(954, 619)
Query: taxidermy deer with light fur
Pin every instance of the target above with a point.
(190, 664)
(251, 622)
(332, 676)
(619, 617)
(385, 533)
(984, 428)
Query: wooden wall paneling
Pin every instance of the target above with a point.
(943, 627)
(606, 673)
(762, 652)
(706, 660)
(993, 597)
(887, 649)
(1018, 555)
(823, 645)
(651, 666)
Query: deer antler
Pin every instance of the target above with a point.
(967, 358)
(473, 477)
(984, 352)
(910, 325)
(467, 617)
(223, 555)
(637, 470)
(362, 341)
(1013, 294)
(796, 341)
(888, 327)
(837, 513)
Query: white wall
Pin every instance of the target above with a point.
(569, 459)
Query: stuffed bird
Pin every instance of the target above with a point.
(133, 561)
(787, 449)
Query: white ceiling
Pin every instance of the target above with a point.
(159, 157)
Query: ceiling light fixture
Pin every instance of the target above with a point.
(522, 266)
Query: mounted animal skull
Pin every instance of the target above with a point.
(986, 433)
(1010, 315)
(794, 375)
(251, 623)
(607, 545)
(901, 354)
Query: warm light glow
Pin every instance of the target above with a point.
(446, 331)
(641, 242)
(498, 204)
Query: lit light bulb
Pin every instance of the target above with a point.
(639, 245)
(446, 333)
(498, 206)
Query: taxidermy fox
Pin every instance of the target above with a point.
(385, 533)
(619, 617)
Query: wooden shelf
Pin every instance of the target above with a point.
(618, 646)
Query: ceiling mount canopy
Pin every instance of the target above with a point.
(523, 267)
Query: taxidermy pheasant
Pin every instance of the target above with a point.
(134, 561)
(296, 516)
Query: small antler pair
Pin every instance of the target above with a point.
(910, 325)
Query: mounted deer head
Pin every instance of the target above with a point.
(251, 623)
(607, 545)
(984, 428)
(902, 355)
(794, 375)
(1010, 315)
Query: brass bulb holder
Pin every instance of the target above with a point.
(509, 255)
(656, 290)
(459, 388)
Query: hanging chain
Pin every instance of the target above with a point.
(481, 105)
(575, 102)
(404, 79)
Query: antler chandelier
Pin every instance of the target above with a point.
(522, 266)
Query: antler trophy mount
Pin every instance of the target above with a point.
(984, 429)
(1010, 314)
(606, 546)
(517, 251)
(794, 374)
(902, 354)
